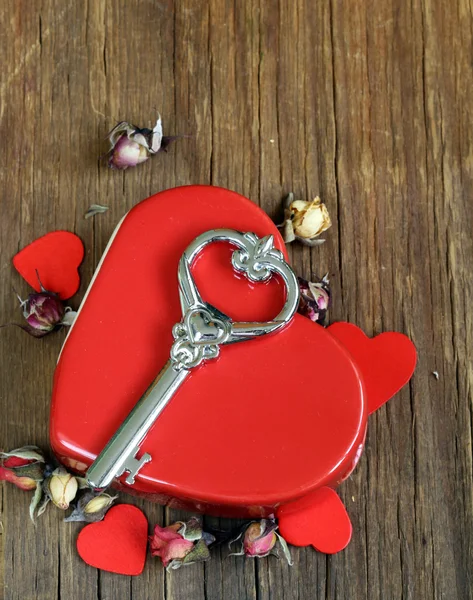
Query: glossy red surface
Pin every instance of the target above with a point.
(386, 361)
(266, 423)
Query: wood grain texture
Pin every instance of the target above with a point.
(367, 104)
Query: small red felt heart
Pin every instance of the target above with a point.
(56, 257)
(118, 543)
(319, 520)
(386, 361)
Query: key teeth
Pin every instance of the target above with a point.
(130, 479)
(133, 471)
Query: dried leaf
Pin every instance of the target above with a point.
(38, 494)
(26, 452)
(69, 317)
(191, 530)
(285, 549)
(82, 481)
(310, 242)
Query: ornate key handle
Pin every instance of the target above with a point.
(197, 337)
(204, 328)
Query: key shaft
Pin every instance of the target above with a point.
(118, 455)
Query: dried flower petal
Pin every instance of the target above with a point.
(131, 146)
(315, 299)
(95, 209)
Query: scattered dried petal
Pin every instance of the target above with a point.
(95, 209)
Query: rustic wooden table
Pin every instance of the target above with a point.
(367, 104)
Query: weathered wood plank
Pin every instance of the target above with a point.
(367, 105)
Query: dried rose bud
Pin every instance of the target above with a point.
(44, 312)
(314, 299)
(310, 218)
(181, 543)
(91, 507)
(24, 467)
(304, 221)
(61, 488)
(131, 146)
(259, 539)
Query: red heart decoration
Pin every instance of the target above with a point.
(233, 435)
(319, 520)
(118, 543)
(386, 361)
(56, 257)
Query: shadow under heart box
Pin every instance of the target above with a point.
(266, 426)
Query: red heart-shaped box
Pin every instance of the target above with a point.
(268, 422)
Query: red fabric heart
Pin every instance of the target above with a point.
(386, 361)
(118, 543)
(56, 256)
(319, 520)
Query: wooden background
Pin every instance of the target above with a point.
(367, 103)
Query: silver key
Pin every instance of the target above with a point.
(197, 338)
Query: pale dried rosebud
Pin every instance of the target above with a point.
(24, 467)
(304, 221)
(131, 146)
(181, 543)
(310, 218)
(258, 539)
(97, 504)
(314, 298)
(91, 507)
(61, 488)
